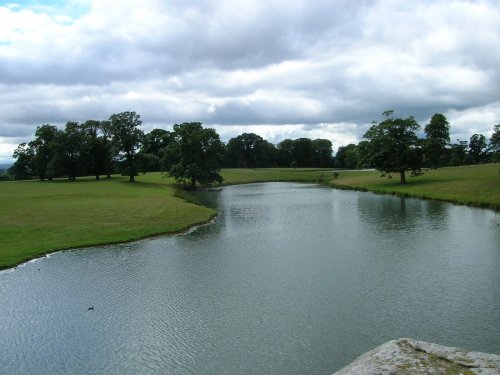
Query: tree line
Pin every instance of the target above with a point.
(193, 154)
(393, 146)
(190, 153)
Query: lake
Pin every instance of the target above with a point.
(289, 279)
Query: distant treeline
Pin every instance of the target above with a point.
(117, 145)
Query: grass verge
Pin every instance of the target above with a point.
(476, 185)
(42, 217)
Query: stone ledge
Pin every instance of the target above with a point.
(408, 356)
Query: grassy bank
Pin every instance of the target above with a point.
(243, 176)
(41, 217)
(477, 185)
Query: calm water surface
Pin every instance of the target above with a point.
(289, 279)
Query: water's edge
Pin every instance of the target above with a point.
(181, 231)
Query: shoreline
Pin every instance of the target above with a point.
(47, 254)
(472, 204)
(319, 177)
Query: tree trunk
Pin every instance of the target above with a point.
(108, 175)
(132, 178)
(403, 177)
(97, 177)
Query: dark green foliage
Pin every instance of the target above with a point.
(153, 148)
(250, 150)
(394, 146)
(305, 152)
(67, 158)
(495, 143)
(126, 140)
(195, 154)
(43, 148)
(437, 138)
(285, 153)
(458, 153)
(363, 154)
(322, 153)
(347, 157)
(477, 148)
(23, 167)
(6, 176)
(97, 151)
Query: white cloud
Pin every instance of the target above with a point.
(267, 65)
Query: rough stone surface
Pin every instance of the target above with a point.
(407, 356)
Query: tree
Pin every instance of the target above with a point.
(458, 153)
(22, 168)
(322, 153)
(437, 138)
(96, 151)
(303, 152)
(347, 156)
(67, 159)
(155, 141)
(477, 148)
(43, 149)
(393, 146)
(249, 150)
(194, 155)
(285, 153)
(126, 139)
(495, 143)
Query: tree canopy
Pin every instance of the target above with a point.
(249, 150)
(437, 133)
(194, 154)
(126, 139)
(393, 145)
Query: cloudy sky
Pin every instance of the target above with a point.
(278, 68)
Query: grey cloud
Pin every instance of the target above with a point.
(248, 63)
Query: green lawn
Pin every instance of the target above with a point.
(477, 185)
(243, 176)
(41, 217)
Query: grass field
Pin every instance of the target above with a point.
(477, 185)
(41, 217)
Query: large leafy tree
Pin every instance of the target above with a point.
(67, 159)
(458, 153)
(393, 145)
(22, 168)
(97, 150)
(303, 152)
(347, 156)
(249, 150)
(44, 148)
(322, 153)
(126, 139)
(437, 133)
(477, 148)
(495, 143)
(195, 154)
(285, 153)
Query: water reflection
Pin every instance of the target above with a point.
(389, 213)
